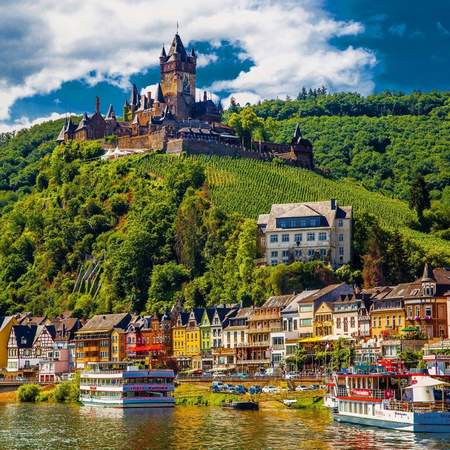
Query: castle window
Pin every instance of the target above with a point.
(298, 237)
(274, 254)
(340, 223)
(341, 251)
(341, 237)
(311, 237)
(322, 236)
(285, 238)
(274, 238)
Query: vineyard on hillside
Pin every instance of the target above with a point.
(250, 187)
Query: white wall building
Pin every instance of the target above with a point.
(305, 231)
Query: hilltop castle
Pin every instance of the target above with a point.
(175, 122)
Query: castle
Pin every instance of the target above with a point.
(175, 122)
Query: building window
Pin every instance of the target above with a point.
(379, 322)
(428, 311)
(310, 252)
(341, 251)
(274, 238)
(285, 238)
(352, 322)
(417, 311)
(285, 253)
(311, 237)
(341, 237)
(298, 253)
(399, 320)
(340, 223)
(322, 236)
(338, 322)
(323, 252)
(273, 262)
(274, 254)
(409, 312)
(298, 237)
(387, 321)
(374, 322)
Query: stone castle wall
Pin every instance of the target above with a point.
(151, 141)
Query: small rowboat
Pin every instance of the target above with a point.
(242, 406)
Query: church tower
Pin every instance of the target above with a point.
(178, 70)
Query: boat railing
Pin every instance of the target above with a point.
(418, 407)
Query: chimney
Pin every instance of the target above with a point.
(333, 203)
(97, 105)
(205, 96)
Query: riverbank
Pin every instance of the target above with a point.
(201, 395)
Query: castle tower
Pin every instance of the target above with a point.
(178, 78)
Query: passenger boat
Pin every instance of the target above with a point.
(122, 385)
(404, 402)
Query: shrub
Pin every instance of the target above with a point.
(67, 391)
(28, 393)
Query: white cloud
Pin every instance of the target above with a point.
(25, 122)
(206, 58)
(288, 42)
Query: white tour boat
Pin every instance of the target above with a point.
(122, 385)
(404, 402)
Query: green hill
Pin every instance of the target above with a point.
(140, 232)
(250, 187)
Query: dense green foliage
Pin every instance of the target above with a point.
(28, 393)
(141, 233)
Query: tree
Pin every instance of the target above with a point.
(419, 198)
(166, 283)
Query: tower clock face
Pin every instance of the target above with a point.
(186, 85)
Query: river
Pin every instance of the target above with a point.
(53, 426)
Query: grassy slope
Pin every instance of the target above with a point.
(250, 187)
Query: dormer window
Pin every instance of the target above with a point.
(23, 340)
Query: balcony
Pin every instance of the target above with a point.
(278, 347)
(253, 361)
(253, 344)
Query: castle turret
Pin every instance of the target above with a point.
(110, 115)
(178, 71)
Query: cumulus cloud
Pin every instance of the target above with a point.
(47, 43)
(25, 122)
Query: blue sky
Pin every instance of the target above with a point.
(60, 55)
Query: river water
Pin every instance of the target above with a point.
(49, 426)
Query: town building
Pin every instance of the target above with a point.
(93, 340)
(323, 320)
(179, 340)
(306, 231)
(387, 312)
(351, 317)
(264, 324)
(234, 336)
(173, 120)
(310, 301)
(426, 303)
(6, 323)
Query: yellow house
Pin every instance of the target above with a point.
(6, 323)
(193, 335)
(387, 313)
(323, 320)
(179, 335)
(118, 344)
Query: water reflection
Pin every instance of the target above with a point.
(72, 427)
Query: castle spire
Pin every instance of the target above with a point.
(159, 94)
(134, 98)
(110, 115)
(163, 52)
(177, 47)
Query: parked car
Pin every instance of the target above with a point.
(241, 375)
(314, 387)
(239, 389)
(254, 389)
(291, 375)
(270, 390)
(216, 386)
(20, 379)
(301, 387)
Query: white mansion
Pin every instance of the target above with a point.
(305, 231)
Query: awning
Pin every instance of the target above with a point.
(310, 339)
(145, 348)
(427, 382)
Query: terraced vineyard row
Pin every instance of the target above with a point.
(250, 187)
